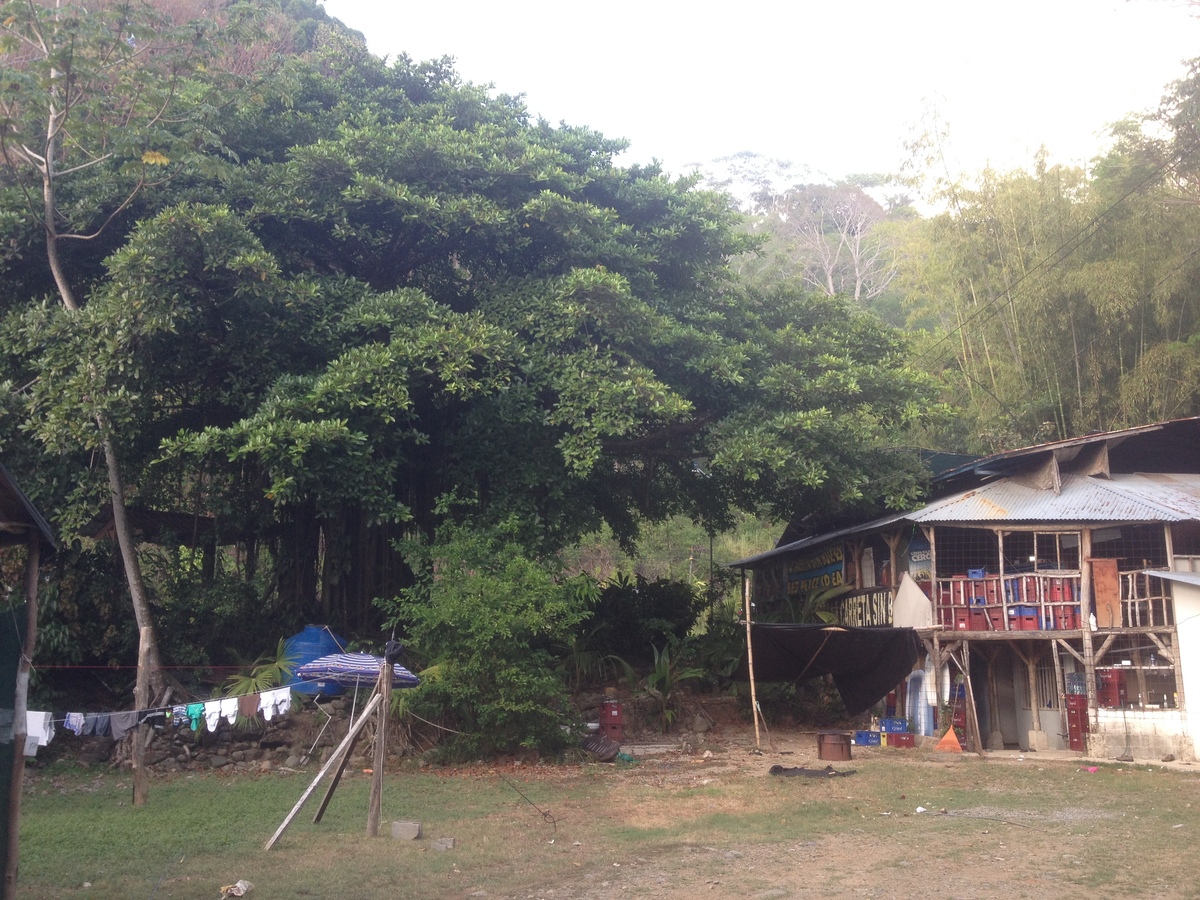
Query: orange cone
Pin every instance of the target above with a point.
(949, 743)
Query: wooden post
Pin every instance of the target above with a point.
(973, 721)
(1085, 613)
(20, 708)
(1061, 687)
(384, 690)
(335, 780)
(141, 700)
(750, 660)
(343, 747)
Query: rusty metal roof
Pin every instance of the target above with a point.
(1121, 498)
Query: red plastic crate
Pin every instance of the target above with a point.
(901, 740)
(1067, 617)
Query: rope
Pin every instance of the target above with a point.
(546, 816)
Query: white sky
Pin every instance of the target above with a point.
(832, 86)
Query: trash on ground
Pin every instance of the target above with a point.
(827, 772)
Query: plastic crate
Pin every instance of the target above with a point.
(868, 738)
(902, 739)
(893, 725)
(976, 574)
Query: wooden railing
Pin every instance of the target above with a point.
(1146, 601)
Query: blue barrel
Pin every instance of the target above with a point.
(312, 643)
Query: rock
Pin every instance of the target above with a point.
(219, 761)
(442, 844)
(700, 725)
(406, 831)
(238, 755)
(292, 761)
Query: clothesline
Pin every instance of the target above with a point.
(40, 725)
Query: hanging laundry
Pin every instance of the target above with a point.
(212, 714)
(39, 730)
(276, 702)
(153, 716)
(248, 705)
(229, 709)
(99, 724)
(123, 722)
(194, 713)
(179, 715)
(75, 722)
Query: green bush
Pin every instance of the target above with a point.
(633, 615)
(488, 616)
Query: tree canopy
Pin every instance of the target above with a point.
(372, 298)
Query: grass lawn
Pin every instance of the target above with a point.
(668, 827)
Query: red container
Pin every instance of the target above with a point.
(612, 720)
(903, 739)
(979, 620)
(1110, 689)
(962, 619)
(1067, 617)
(1024, 623)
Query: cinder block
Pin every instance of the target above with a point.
(406, 831)
(446, 843)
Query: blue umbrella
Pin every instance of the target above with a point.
(354, 670)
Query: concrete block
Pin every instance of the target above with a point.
(446, 843)
(406, 831)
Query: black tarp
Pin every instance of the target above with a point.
(866, 663)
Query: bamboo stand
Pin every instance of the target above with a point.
(379, 703)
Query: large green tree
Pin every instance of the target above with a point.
(391, 287)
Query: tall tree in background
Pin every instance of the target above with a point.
(96, 110)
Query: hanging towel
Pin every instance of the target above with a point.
(123, 723)
(99, 724)
(41, 725)
(229, 709)
(75, 722)
(212, 714)
(248, 705)
(194, 713)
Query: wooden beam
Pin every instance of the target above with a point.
(1066, 646)
(375, 806)
(337, 754)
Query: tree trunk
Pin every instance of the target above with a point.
(149, 677)
(20, 707)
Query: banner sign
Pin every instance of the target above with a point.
(817, 572)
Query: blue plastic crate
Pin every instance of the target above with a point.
(895, 725)
(976, 574)
(867, 738)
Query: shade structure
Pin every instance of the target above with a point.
(354, 670)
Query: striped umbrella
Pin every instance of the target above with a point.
(354, 670)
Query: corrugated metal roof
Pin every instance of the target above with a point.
(816, 540)
(1122, 498)
(985, 463)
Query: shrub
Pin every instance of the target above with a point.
(488, 616)
(634, 614)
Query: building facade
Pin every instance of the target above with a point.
(1060, 583)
